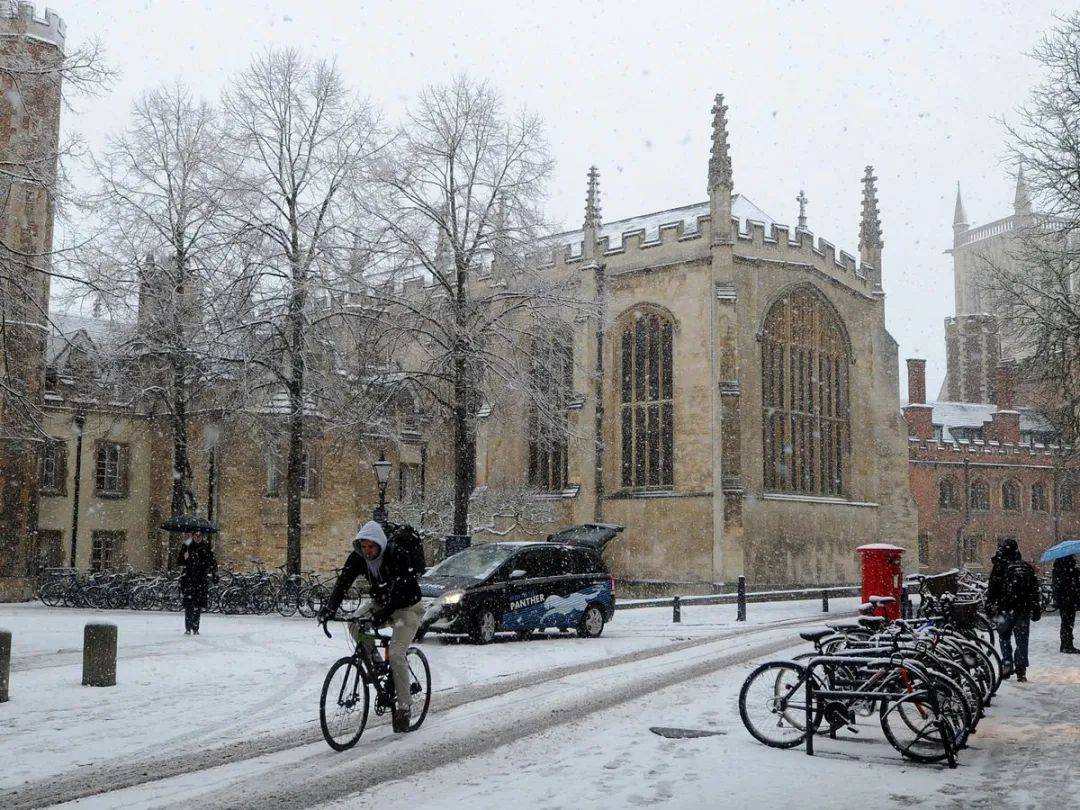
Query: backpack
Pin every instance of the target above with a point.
(408, 539)
(1016, 585)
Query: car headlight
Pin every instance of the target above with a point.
(451, 598)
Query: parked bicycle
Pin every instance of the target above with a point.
(346, 694)
(928, 680)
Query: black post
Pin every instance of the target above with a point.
(824, 601)
(809, 711)
(80, 422)
(676, 610)
(740, 615)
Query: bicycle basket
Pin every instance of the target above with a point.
(963, 615)
(941, 584)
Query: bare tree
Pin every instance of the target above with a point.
(158, 257)
(300, 143)
(461, 225)
(1035, 285)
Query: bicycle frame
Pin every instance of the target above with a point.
(894, 663)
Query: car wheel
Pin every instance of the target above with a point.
(483, 629)
(592, 622)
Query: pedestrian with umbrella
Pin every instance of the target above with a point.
(1065, 581)
(199, 564)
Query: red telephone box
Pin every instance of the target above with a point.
(882, 574)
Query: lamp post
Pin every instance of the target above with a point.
(80, 422)
(382, 475)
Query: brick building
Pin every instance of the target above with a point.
(981, 473)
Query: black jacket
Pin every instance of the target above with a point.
(199, 564)
(397, 586)
(1066, 583)
(1013, 586)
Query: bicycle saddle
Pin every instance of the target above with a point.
(872, 622)
(815, 635)
(877, 601)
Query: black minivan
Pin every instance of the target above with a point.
(523, 586)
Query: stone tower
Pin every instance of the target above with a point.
(31, 56)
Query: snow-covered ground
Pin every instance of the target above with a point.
(552, 723)
(256, 679)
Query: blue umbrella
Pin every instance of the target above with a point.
(1063, 549)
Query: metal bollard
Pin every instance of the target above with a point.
(99, 654)
(5, 663)
(676, 610)
(824, 601)
(740, 615)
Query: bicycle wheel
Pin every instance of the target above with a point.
(343, 706)
(52, 593)
(914, 727)
(286, 600)
(772, 704)
(419, 685)
(311, 600)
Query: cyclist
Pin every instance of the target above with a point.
(395, 602)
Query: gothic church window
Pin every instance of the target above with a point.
(805, 410)
(552, 383)
(1039, 501)
(979, 496)
(54, 467)
(647, 401)
(1010, 496)
(947, 494)
(1065, 496)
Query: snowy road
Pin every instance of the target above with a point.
(246, 690)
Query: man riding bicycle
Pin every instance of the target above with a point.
(395, 602)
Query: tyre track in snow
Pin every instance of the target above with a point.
(113, 777)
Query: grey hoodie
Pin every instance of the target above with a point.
(374, 532)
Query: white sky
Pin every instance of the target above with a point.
(815, 92)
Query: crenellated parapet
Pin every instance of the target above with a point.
(22, 19)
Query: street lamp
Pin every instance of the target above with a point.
(382, 475)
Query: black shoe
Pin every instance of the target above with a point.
(1021, 676)
(195, 631)
(1070, 650)
(402, 719)
(1007, 672)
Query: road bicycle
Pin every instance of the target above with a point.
(346, 693)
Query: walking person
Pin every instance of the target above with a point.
(392, 573)
(1065, 580)
(200, 566)
(1012, 600)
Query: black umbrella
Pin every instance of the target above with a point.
(189, 523)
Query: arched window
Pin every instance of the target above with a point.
(551, 389)
(979, 496)
(647, 376)
(947, 494)
(1038, 498)
(804, 393)
(1065, 496)
(1010, 496)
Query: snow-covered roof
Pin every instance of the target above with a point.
(66, 328)
(976, 414)
(741, 208)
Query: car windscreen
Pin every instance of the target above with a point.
(477, 562)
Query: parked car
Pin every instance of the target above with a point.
(525, 587)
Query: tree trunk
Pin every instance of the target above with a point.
(464, 449)
(295, 469)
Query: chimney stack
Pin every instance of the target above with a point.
(916, 381)
(1004, 424)
(918, 415)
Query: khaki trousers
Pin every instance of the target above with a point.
(405, 622)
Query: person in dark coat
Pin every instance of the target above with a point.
(1012, 600)
(1065, 580)
(200, 566)
(395, 601)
